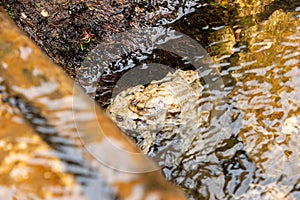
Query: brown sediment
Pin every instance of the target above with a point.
(25, 70)
(70, 29)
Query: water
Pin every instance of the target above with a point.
(249, 151)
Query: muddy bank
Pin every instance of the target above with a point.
(67, 30)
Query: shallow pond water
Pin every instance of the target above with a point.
(250, 148)
(250, 72)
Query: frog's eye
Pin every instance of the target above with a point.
(133, 103)
(119, 118)
(137, 104)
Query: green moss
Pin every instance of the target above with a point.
(9, 11)
(215, 4)
(37, 5)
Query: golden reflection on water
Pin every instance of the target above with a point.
(27, 166)
(267, 90)
(258, 54)
(251, 7)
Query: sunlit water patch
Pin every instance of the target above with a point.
(250, 149)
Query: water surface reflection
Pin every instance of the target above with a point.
(250, 151)
(256, 154)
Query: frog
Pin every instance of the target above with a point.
(163, 108)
